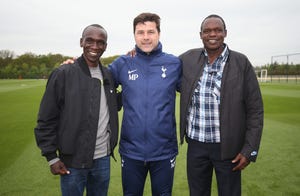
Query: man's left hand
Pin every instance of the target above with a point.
(242, 161)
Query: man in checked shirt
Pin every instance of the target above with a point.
(221, 112)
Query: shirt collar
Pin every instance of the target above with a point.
(216, 66)
(224, 53)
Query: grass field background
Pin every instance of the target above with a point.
(23, 171)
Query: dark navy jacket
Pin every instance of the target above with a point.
(149, 83)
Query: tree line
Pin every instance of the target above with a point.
(30, 65)
(282, 69)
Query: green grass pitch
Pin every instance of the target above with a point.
(23, 171)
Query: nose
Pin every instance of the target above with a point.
(212, 33)
(93, 45)
(96, 45)
(146, 36)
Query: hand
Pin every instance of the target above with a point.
(132, 53)
(69, 61)
(59, 168)
(242, 161)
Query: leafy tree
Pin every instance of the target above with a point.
(108, 60)
(6, 57)
(30, 65)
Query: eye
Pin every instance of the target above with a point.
(139, 32)
(89, 41)
(219, 30)
(206, 31)
(101, 43)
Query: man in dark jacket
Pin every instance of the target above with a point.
(77, 126)
(221, 112)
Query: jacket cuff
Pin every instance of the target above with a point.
(251, 156)
(50, 156)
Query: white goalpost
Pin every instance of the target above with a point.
(263, 75)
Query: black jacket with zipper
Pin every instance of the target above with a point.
(69, 112)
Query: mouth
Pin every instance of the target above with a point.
(212, 41)
(146, 44)
(93, 53)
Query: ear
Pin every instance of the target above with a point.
(81, 42)
(225, 32)
(105, 47)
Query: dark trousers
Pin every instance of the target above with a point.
(202, 158)
(134, 174)
(95, 179)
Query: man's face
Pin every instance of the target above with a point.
(146, 36)
(213, 34)
(94, 44)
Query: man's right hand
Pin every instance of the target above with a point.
(69, 61)
(131, 53)
(59, 168)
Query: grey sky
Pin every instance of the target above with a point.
(258, 28)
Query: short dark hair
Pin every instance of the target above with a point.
(145, 17)
(94, 25)
(213, 16)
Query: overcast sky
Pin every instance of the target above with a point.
(258, 28)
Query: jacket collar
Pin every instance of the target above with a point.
(154, 52)
(83, 65)
(85, 68)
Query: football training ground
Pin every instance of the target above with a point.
(23, 171)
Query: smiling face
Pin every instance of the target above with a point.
(93, 42)
(213, 33)
(146, 36)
